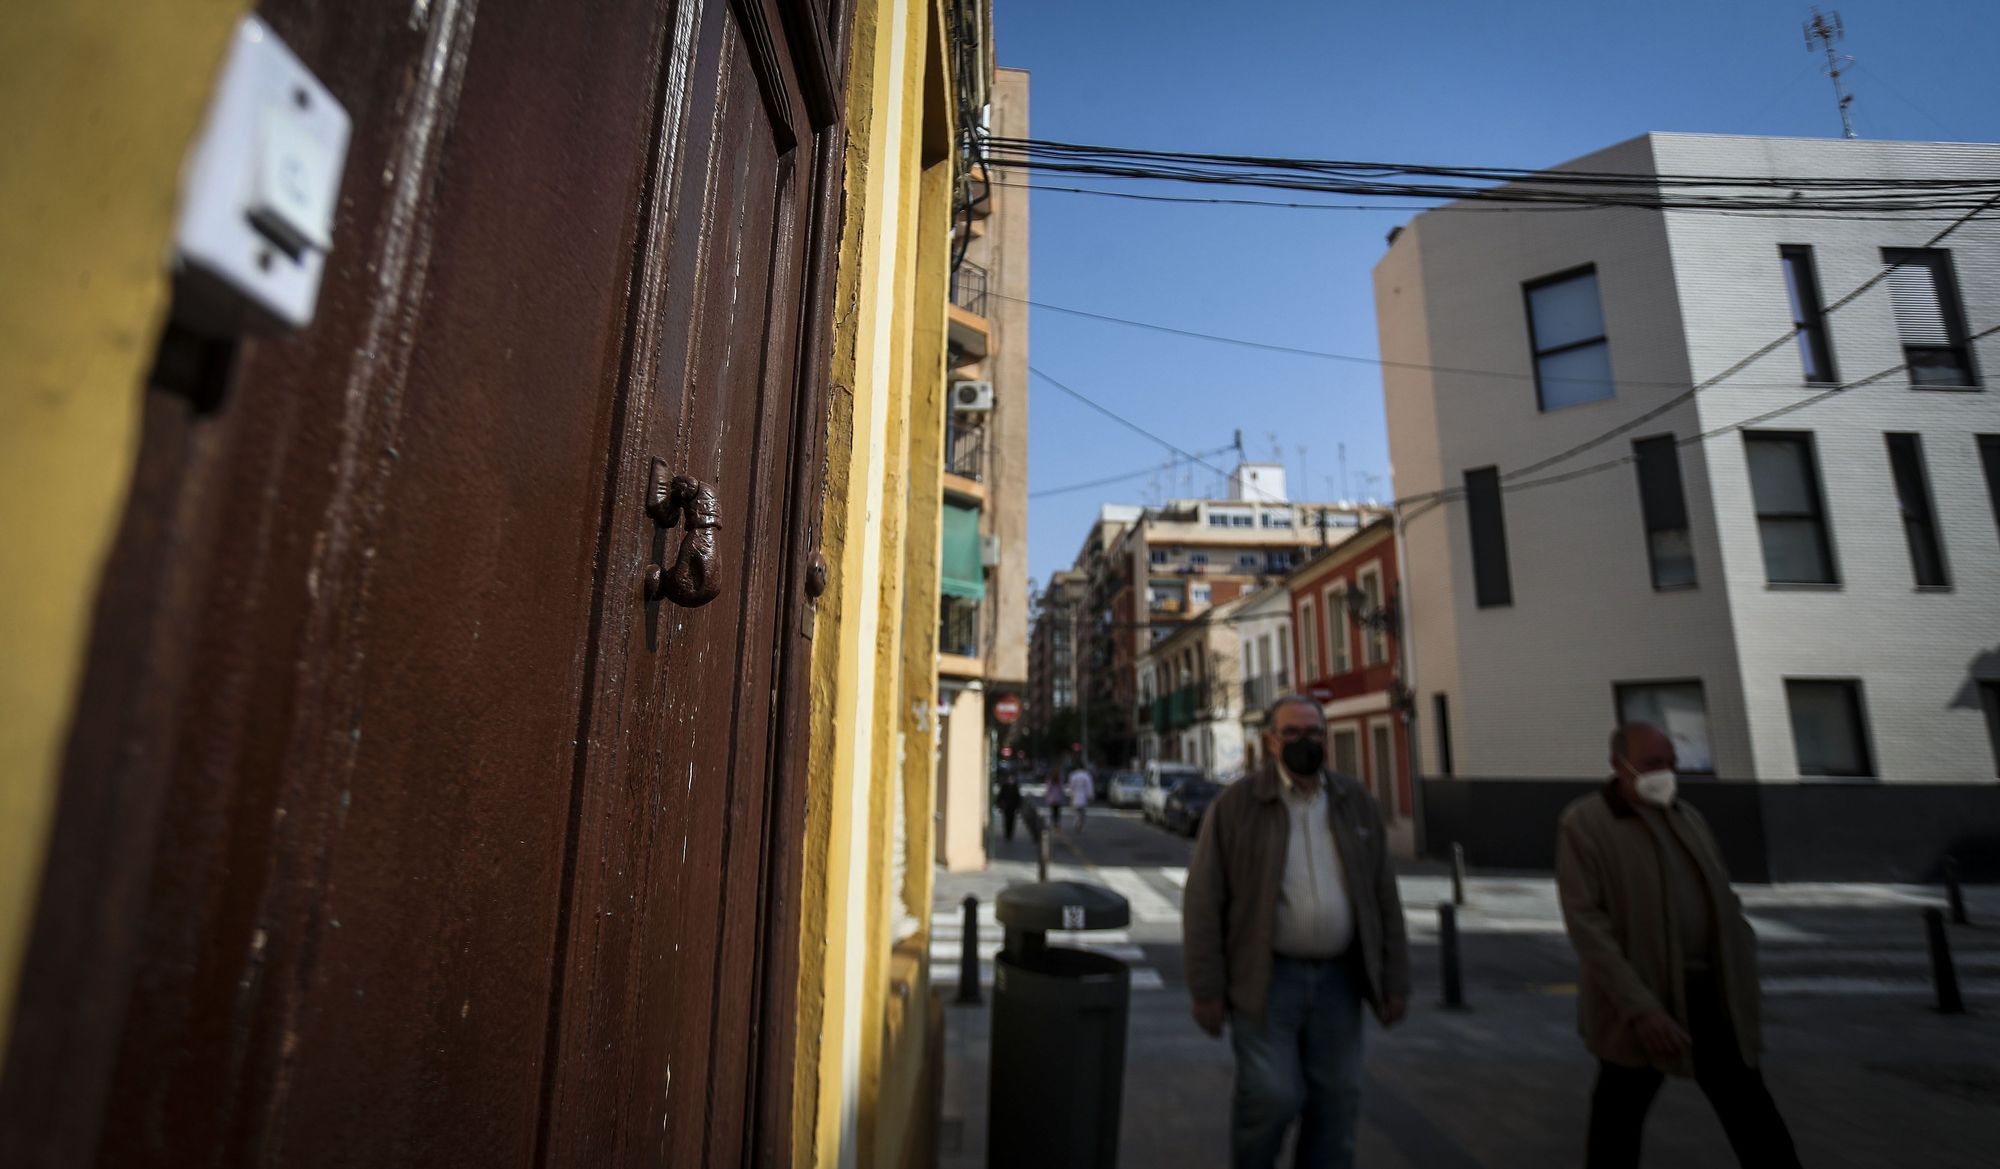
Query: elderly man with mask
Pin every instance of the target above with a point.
(1668, 981)
(1291, 922)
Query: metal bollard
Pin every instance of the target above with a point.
(1454, 986)
(968, 955)
(1953, 893)
(1042, 854)
(1942, 972)
(1457, 873)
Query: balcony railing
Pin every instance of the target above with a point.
(1264, 689)
(965, 450)
(968, 289)
(958, 626)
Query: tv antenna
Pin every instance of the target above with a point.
(1823, 33)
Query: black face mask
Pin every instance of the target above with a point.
(1304, 756)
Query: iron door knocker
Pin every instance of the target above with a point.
(694, 580)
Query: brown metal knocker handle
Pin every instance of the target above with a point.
(694, 580)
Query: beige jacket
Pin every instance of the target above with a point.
(1230, 910)
(1616, 905)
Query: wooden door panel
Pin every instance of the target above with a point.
(674, 813)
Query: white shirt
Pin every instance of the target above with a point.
(1314, 918)
(1081, 789)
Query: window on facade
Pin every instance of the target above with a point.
(1989, 458)
(1441, 715)
(1157, 556)
(1913, 495)
(1664, 509)
(1248, 560)
(1989, 701)
(1924, 296)
(1198, 594)
(1308, 641)
(1828, 728)
(1277, 519)
(1679, 710)
(1566, 332)
(1197, 558)
(1375, 636)
(1808, 314)
(1491, 583)
(1242, 521)
(1284, 661)
(1217, 520)
(1791, 521)
(1337, 621)
(1346, 748)
(1382, 762)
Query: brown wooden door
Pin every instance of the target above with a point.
(398, 828)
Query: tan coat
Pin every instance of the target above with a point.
(1230, 912)
(1617, 907)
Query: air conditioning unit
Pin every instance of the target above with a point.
(989, 549)
(971, 397)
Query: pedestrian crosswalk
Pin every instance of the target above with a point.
(948, 948)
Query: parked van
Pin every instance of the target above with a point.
(1161, 778)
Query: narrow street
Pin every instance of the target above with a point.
(1867, 1072)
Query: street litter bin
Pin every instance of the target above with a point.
(1058, 1047)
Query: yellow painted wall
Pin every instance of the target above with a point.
(98, 102)
(862, 1023)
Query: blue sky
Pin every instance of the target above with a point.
(1521, 83)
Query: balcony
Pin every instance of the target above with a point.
(1263, 690)
(958, 636)
(965, 451)
(968, 289)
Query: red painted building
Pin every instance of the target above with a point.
(1349, 654)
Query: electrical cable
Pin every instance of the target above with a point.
(1109, 479)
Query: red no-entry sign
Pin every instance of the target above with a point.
(1006, 709)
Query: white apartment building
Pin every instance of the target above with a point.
(1797, 597)
(1264, 631)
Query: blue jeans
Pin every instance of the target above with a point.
(1303, 1058)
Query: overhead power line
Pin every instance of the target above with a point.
(1128, 424)
(1511, 185)
(1110, 479)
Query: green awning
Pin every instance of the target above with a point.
(964, 575)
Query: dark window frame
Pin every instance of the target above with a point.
(1535, 350)
(1492, 579)
(1857, 708)
(1944, 278)
(1618, 689)
(1918, 507)
(1812, 330)
(1819, 513)
(1989, 705)
(1661, 502)
(1989, 462)
(1441, 711)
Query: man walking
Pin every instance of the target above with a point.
(1291, 921)
(1668, 961)
(1009, 801)
(1082, 789)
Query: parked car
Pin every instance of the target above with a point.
(1187, 803)
(1161, 779)
(1126, 789)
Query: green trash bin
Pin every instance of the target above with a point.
(1058, 1045)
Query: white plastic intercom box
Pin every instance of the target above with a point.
(258, 195)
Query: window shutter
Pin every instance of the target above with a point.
(1913, 294)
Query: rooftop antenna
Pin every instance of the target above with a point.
(1823, 34)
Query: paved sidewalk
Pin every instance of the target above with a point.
(1865, 1070)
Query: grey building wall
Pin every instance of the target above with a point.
(1686, 294)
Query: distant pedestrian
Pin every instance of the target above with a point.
(1009, 801)
(1082, 790)
(1291, 921)
(1056, 795)
(1669, 962)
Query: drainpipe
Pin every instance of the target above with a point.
(1406, 666)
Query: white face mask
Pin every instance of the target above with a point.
(1655, 787)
